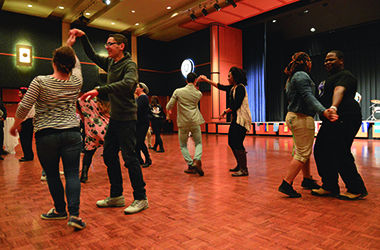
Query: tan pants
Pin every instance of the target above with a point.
(302, 127)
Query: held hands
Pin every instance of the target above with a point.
(71, 40)
(202, 78)
(89, 95)
(331, 114)
(76, 32)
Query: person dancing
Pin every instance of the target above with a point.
(189, 120)
(121, 133)
(303, 105)
(332, 150)
(95, 116)
(157, 119)
(57, 130)
(241, 115)
(142, 124)
(26, 133)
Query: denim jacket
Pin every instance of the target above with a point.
(300, 91)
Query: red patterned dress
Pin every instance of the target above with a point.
(95, 123)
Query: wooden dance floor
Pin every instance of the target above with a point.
(216, 211)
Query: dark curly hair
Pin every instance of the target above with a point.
(299, 62)
(238, 75)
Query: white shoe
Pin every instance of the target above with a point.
(136, 206)
(43, 178)
(112, 202)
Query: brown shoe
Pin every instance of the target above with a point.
(351, 196)
(198, 167)
(190, 170)
(322, 192)
(241, 157)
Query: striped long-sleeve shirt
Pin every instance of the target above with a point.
(54, 101)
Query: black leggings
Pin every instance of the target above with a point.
(87, 158)
(236, 135)
(156, 126)
(141, 130)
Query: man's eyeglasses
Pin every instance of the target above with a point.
(109, 44)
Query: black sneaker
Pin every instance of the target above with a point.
(287, 189)
(235, 169)
(76, 222)
(309, 184)
(53, 215)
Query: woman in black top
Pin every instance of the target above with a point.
(241, 116)
(157, 117)
(142, 124)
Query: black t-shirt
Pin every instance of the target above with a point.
(348, 106)
(143, 109)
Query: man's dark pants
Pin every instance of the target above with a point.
(121, 135)
(332, 152)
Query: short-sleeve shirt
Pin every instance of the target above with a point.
(348, 106)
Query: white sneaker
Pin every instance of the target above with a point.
(112, 202)
(43, 178)
(136, 206)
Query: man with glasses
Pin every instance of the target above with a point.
(121, 133)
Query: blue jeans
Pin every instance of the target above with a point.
(121, 135)
(51, 147)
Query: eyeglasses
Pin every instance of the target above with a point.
(109, 44)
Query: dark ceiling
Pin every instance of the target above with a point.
(297, 19)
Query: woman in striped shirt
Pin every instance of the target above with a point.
(56, 130)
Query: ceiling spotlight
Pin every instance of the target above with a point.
(61, 7)
(217, 7)
(193, 16)
(204, 12)
(274, 21)
(133, 11)
(87, 13)
(107, 2)
(306, 11)
(30, 6)
(232, 2)
(312, 29)
(168, 8)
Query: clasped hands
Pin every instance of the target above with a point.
(331, 114)
(201, 78)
